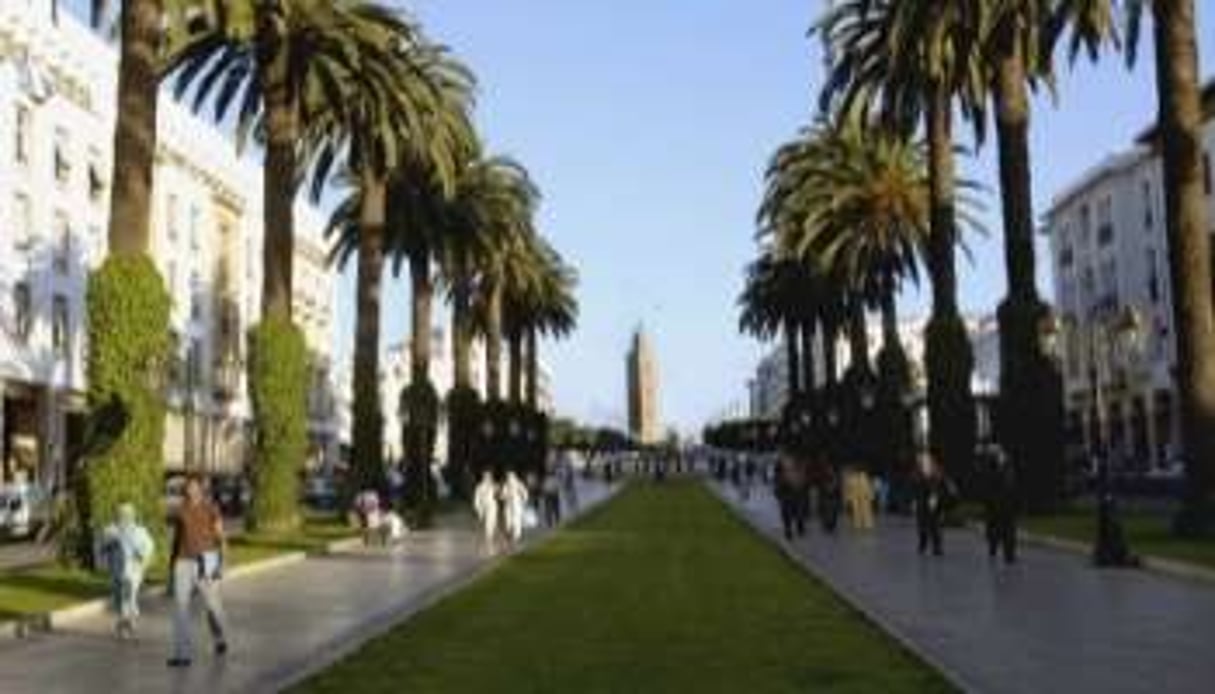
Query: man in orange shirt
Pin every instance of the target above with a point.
(196, 565)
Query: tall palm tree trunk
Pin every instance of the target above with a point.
(858, 343)
(1026, 421)
(422, 304)
(809, 378)
(830, 362)
(948, 352)
(533, 370)
(1180, 118)
(279, 172)
(893, 449)
(493, 346)
(515, 340)
(461, 343)
(368, 434)
(135, 129)
(792, 363)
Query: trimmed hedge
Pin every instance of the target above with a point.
(278, 389)
(420, 402)
(128, 312)
(951, 407)
(463, 415)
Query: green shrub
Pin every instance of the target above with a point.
(128, 337)
(420, 402)
(951, 406)
(278, 389)
(463, 413)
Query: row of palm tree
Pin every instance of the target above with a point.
(350, 98)
(904, 69)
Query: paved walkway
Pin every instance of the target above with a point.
(283, 622)
(1051, 623)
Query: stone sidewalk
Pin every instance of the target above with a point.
(1051, 623)
(284, 623)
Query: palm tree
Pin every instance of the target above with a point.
(859, 210)
(554, 313)
(406, 116)
(909, 61)
(510, 268)
(1180, 139)
(494, 200)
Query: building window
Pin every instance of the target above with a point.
(195, 297)
(23, 215)
(24, 123)
(1148, 212)
(62, 158)
(1206, 172)
(1066, 257)
(63, 242)
(195, 217)
(96, 177)
(1153, 277)
(60, 325)
(171, 217)
(22, 310)
(1105, 221)
(194, 364)
(1086, 225)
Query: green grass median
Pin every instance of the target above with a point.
(662, 590)
(1147, 534)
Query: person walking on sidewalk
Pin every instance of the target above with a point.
(514, 505)
(793, 494)
(485, 503)
(932, 492)
(1000, 509)
(127, 548)
(196, 567)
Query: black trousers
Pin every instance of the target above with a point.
(929, 526)
(1002, 535)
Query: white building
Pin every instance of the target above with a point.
(57, 86)
(1109, 253)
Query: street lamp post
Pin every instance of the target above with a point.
(1115, 338)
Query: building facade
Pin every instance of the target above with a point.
(1109, 253)
(57, 87)
(642, 382)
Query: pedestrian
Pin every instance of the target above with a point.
(550, 490)
(514, 504)
(829, 498)
(367, 509)
(127, 548)
(793, 494)
(862, 500)
(196, 566)
(1001, 506)
(569, 484)
(932, 494)
(485, 503)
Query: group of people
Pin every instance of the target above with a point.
(854, 491)
(196, 564)
(506, 506)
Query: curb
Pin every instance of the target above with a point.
(1169, 567)
(345, 644)
(50, 621)
(885, 626)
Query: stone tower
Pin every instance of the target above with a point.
(643, 390)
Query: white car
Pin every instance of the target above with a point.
(17, 510)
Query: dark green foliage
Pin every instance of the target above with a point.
(951, 407)
(128, 329)
(1029, 418)
(278, 388)
(420, 407)
(463, 413)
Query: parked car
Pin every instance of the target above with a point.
(232, 493)
(23, 509)
(320, 493)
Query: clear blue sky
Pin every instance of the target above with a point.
(648, 125)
